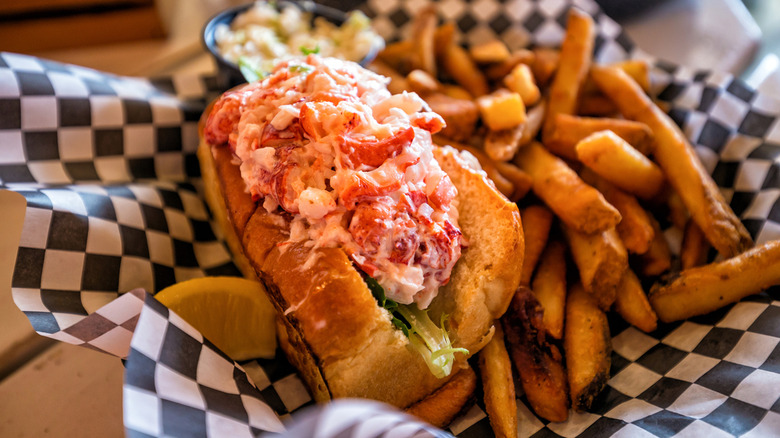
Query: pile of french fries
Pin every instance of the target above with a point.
(594, 164)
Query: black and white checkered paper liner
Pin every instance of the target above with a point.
(107, 166)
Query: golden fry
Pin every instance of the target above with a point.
(579, 205)
(456, 91)
(549, 286)
(490, 51)
(422, 82)
(601, 259)
(544, 64)
(570, 130)
(399, 56)
(632, 303)
(576, 56)
(619, 163)
(681, 166)
(521, 181)
(499, 386)
(596, 105)
(423, 29)
(703, 289)
(502, 145)
(533, 123)
(537, 221)
(521, 81)
(460, 115)
(694, 247)
(398, 83)
(443, 37)
(538, 362)
(441, 407)
(498, 71)
(678, 214)
(502, 109)
(457, 63)
(657, 259)
(635, 229)
(588, 347)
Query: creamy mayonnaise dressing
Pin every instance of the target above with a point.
(324, 140)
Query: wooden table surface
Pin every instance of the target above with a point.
(53, 389)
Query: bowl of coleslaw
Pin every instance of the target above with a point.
(247, 40)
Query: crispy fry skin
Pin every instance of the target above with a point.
(575, 60)
(538, 362)
(489, 51)
(443, 405)
(499, 70)
(520, 180)
(680, 164)
(694, 247)
(632, 303)
(457, 63)
(537, 220)
(702, 289)
(635, 228)
(549, 286)
(579, 205)
(423, 29)
(596, 105)
(620, 163)
(601, 259)
(533, 123)
(544, 64)
(588, 347)
(570, 130)
(657, 259)
(460, 115)
(496, 371)
(503, 144)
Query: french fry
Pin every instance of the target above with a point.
(693, 251)
(635, 229)
(499, 386)
(596, 105)
(538, 362)
(441, 407)
(423, 29)
(456, 91)
(570, 130)
(443, 37)
(579, 205)
(422, 82)
(544, 64)
(521, 81)
(457, 63)
(460, 115)
(533, 123)
(601, 260)
(497, 71)
(703, 289)
(537, 221)
(632, 304)
(520, 180)
(502, 145)
(489, 51)
(638, 70)
(657, 259)
(502, 109)
(575, 60)
(678, 214)
(399, 56)
(588, 347)
(549, 286)
(619, 163)
(677, 158)
(398, 83)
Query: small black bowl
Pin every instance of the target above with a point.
(228, 73)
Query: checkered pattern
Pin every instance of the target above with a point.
(106, 164)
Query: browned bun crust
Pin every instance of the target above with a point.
(341, 341)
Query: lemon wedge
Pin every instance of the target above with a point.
(233, 313)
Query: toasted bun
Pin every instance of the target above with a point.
(331, 328)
